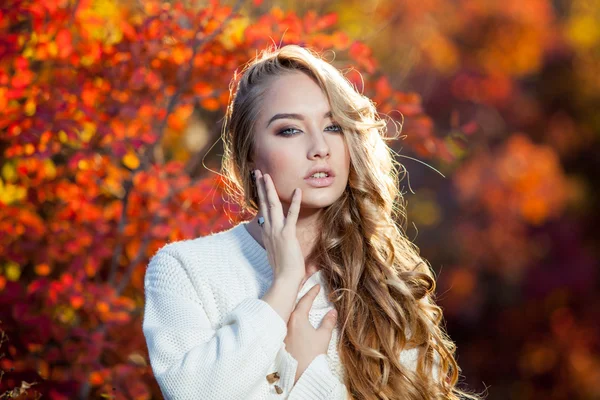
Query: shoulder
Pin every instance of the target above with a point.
(191, 259)
(189, 250)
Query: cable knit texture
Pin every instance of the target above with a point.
(209, 334)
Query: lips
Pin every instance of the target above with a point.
(316, 169)
(320, 182)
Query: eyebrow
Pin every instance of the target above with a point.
(294, 116)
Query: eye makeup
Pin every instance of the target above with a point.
(287, 131)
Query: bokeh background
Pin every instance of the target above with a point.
(110, 115)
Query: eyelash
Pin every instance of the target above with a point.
(281, 132)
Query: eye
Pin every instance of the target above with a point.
(335, 128)
(287, 132)
(293, 131)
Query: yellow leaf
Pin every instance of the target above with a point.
(426, 211)
(9, 172)
(442, 52)
(10, 193)
(583, 31)
(62, 136)
(131, 160)
(66, 315)
(12, 271)
(52, 49)
(102, 21)
(50, 168)
(88, 131)
(30, 108)
(233, 33)
(84, 164)
(28, 52)
(86, 61)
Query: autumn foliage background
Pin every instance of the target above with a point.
(109, 111)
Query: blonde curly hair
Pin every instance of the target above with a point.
(381, 287)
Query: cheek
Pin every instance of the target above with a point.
(274, 162)
(346, 152)
(283, 170)
(280, 165)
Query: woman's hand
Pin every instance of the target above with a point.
(304, 342)
(279, 232)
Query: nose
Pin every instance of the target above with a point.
(318, 147)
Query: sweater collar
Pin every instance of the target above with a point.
(259, 258)
(255, 253)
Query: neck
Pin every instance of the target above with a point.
(306, 232)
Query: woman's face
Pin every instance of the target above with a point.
(295, 133)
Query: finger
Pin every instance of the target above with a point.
(294, 210)
(262, 199)
(328, 322)
(305, 303)
(273, 203)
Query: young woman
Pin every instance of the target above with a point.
(250, 312)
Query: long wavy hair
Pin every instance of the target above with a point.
(381, 287)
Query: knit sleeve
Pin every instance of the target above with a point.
(317, 382)
(189, 358)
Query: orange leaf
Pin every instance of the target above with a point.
(76, 302)
(102, 307)
(42, 269)
(178, 55)
(131, 160)
(96, 378)
(22, 79)
(203, 89)
(21, 64)
(210, 104)
(63, 41)
(326, 21)
(175, 122)
(383, 87)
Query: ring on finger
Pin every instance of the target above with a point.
(261, 221)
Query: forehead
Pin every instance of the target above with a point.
(294, 92)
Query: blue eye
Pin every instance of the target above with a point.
(336, 128)
(288, 131)
(283, 132)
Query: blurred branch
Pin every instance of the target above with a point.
(147, 157)
(145, 161)
(141, 254)
(25, 386)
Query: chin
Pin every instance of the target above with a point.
(321, 200)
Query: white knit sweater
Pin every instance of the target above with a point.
(209, 334)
